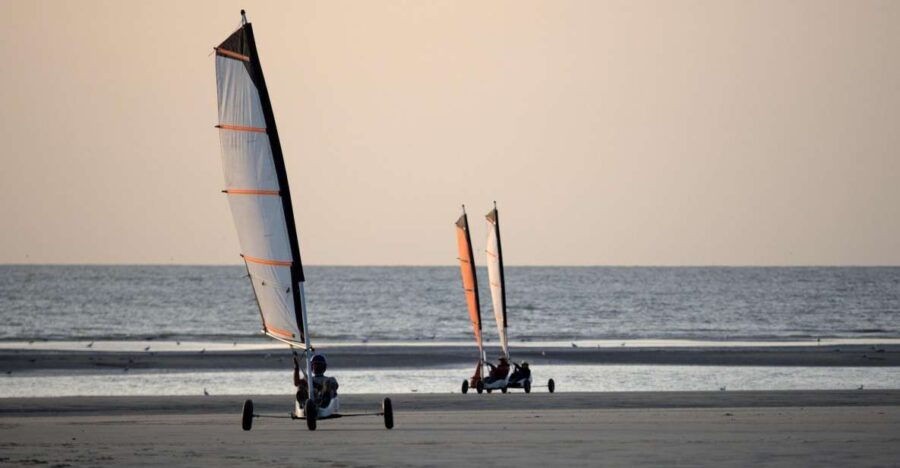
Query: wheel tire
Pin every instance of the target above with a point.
(465, 387)
(551, 385)
(479, 387)
(504, 389)
(247, 415)
(490, 390)
(388, 410)
(527, 386)
(312, 413)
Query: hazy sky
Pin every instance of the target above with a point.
(610, 132)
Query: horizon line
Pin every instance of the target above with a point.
(711, 265)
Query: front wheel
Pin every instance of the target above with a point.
(527, 386)
(312, 412)
(388, 410)
(465, 387)
(551, 385)
(503, 389)
(247, 416)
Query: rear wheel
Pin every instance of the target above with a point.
(503, 389)
(465, 386)
(388, 410)
(490, 390)
(247, 415)
(527, 386)
(312, 412)
(479, 387)
(551, 385)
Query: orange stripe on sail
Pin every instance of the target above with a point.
(234, 55)
(252, 192)
(279, 331)
(241, 128)
(263, 261)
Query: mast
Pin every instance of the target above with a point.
(496, 276)
(469, 277)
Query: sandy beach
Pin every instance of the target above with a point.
(832, 428)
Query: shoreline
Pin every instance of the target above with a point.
(411, 356)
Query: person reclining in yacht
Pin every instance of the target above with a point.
(325, 388)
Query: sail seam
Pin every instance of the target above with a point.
(263, 261)
(241, 128)
(233, 55)
(251, 192)
(279, 331)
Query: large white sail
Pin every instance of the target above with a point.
(495, 276)
(257, 188)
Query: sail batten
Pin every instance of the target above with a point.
(496, 278)
(257, 187)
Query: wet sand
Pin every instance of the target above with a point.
(349, 357)
(831, 428)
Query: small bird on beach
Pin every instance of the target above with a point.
(205, 392)
(90, 345)
(177, 343)
(574, 345)
(860, 387)
(147, 349)
(202, 350)
(722, 388)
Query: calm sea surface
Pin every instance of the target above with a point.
(427, 303)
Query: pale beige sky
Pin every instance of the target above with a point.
(610, 132)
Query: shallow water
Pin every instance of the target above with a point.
(582, 378)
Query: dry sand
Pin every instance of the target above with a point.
(834, 428)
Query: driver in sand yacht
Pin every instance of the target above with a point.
(500, 371)
(324, 387)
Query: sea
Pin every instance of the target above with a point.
(72, 307)
(420, 304)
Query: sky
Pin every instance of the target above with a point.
(609, 132)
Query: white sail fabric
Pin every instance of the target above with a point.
(251, 182)
(495, 278)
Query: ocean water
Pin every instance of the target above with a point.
(427, 304)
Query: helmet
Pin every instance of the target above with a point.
(502, 358)
(525, 365)
(318, 364)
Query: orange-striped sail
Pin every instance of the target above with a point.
(257, 187)
(469, 280)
